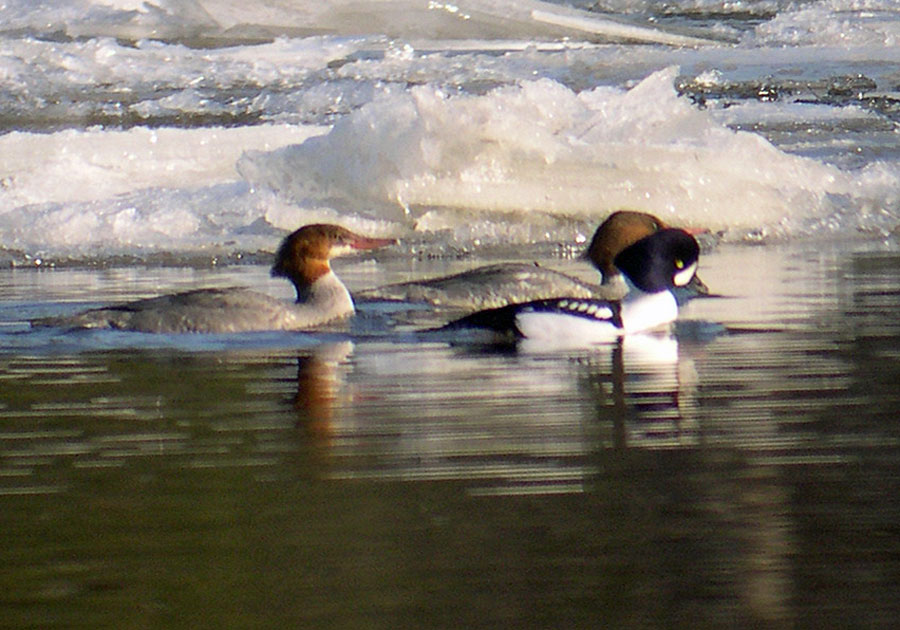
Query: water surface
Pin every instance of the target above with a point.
(744, 477)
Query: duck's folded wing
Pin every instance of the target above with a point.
(491, 286)
(202, 310)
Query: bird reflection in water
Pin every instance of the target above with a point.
(653, 393)
(515, 422)
(321, 389)
(512, 424)
(652, 407)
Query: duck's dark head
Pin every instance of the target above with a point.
(661, 261)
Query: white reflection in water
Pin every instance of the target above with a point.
(507, 423)
(537, 424)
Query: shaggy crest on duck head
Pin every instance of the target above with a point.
(303, 256)
(620, 230)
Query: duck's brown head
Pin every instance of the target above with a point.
(620, 230)
(303, 255)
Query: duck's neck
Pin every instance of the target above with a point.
(616, 281)
(326, 298)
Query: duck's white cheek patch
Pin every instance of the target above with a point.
(684, 276)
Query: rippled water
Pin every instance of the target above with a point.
(745, 477)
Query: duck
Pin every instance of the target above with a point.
(302, 258)
(496, 285)
(652, 268)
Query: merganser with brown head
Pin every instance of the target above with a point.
(303, 258)
(493, 286)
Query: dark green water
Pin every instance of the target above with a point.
(750, 480)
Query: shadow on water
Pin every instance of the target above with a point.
(744, 481)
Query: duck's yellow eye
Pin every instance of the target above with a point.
(679, 264)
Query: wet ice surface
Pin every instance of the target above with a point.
(177, 131)
(740, 473)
